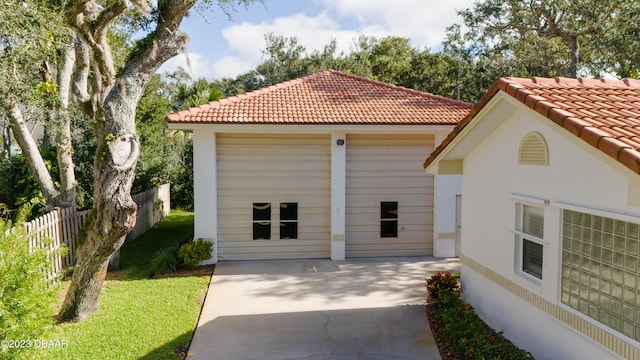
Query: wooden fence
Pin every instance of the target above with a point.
(63, 226)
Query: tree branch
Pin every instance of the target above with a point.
(106, 16)
(81, 77)
(30, 151)
(165, 42)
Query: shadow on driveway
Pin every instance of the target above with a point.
(318, 309)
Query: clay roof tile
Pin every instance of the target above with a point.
(604, 113)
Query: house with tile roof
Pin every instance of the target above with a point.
(550, 244)
(325, 166)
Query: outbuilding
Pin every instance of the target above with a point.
(325, 166)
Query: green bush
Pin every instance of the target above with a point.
(472, 337)
(441, 281)
(194, 252)
(25, 295)
(163, 261)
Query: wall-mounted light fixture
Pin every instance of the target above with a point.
(340, 142)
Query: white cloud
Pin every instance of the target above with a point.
(199, 67)
(247, 40)
(422, 21)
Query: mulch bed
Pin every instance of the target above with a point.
(440, 333)
(446, 344)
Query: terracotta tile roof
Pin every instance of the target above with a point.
(603, 113)
(328, 97)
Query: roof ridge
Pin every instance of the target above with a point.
(402, 88)
(560, 81)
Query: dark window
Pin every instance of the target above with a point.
(288, 220)
(532, 258)
(389, 219)
(261, 221)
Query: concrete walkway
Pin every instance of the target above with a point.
(318, 309)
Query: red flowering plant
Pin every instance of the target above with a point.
(441, 281)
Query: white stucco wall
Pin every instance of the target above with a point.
(577, 174)
(205, 189)
(446, 187)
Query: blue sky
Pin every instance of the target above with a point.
(220, 47)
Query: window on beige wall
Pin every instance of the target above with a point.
(389, 219)
(288, 220)
(601, 270)
(261, 221)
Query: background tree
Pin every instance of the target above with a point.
(167, 155)
(551, 38)
(32, 38)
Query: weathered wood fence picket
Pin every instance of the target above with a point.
(62, 226)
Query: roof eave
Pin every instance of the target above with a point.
(466, 125)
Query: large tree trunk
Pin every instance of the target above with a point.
(113, 108)
(114, 211)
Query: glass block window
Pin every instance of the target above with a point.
(261, 221)
(389, 219)
(288, 220)
(529, 233)
(600, 270)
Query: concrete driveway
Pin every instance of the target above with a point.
(318, 309)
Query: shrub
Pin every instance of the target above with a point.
(441, 281)
(25, 295)
(472, 337)
(194, 252)
(163, 261)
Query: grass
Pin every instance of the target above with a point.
(139, 318)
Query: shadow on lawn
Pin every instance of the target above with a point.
(175, 349)
(135, 256)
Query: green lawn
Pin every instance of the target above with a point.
(139, 318)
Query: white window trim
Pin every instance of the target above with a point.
(610, 213)
(613, 214)
(520, 236)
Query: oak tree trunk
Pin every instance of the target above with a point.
(112, 104)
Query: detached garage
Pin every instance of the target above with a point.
(329, 165)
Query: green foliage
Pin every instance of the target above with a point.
(25, 295)
(19, 190)
(164, 261)
(167, 156)
(194, 252)
(554, 38)
(173, 231)
(473, 338)
(84, 146)
(31, 32)
(441, 281)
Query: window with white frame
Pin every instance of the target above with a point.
(601, 270)
(529, 239)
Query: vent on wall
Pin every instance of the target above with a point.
(533, 150)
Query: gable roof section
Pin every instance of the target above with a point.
(328, 97)
(603, 113)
